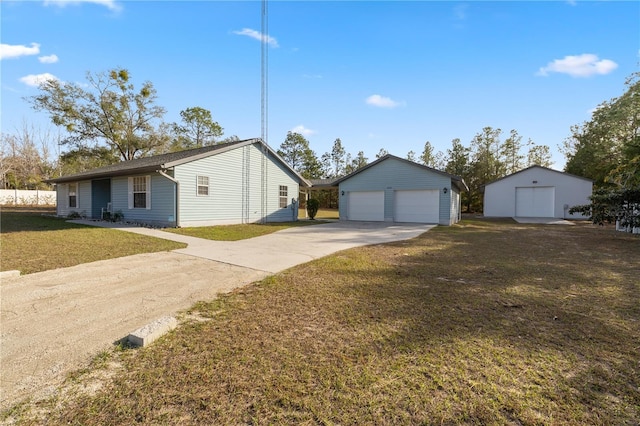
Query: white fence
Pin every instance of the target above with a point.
(23, 197)
(632, 230)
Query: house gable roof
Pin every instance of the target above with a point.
(165, 161)
(542, 168)
(455, 180)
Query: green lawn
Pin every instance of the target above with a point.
(238, 232)
(322, 214)
(32, 242)
(486, 322)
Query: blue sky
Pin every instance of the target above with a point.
(375, 74)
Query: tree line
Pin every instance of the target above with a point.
(607, 150)
(487, 157)
(109, 120)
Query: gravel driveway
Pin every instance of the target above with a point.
(54, 322)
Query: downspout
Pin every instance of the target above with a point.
(176, 206)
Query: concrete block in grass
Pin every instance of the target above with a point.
(144, 336)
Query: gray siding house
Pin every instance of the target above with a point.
(392, 189)
(236, 182)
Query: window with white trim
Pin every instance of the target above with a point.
(203, 186)
(140, 192)
(284, 194)
(73, 195)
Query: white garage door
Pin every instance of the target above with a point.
(366, 205)
(421, 206)
(535, 202)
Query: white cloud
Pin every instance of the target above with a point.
(584, 65)
(460, 11)
(258, 36)
(51, 59)
(303, 130)
(382, 102)
(35, 80)
(16, 50)
(109, 4)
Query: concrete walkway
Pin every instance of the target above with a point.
(283, 249)
(54, 322)
(543, 220)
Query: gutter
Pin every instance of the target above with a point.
(177, 206)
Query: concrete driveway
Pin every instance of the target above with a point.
(54, 322)
(292, 246)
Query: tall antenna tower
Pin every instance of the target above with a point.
(264, 106)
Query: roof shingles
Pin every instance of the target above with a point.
(146, 164)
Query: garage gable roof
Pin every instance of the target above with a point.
(455, 180)
(165, 161)
(542, 168)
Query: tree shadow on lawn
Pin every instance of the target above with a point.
(561, 304)
(488, 326)
(28, 220)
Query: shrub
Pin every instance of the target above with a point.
(613, 205)
(312, 207)
(74, 215)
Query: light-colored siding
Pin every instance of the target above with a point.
(455, 206)
(162, 201)
(84, 199)
(391, 175)
(236, 189)
(62, 202)
(225, 187)
(278, 175)
(500, 196)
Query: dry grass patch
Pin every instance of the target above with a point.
(32, 242)
(481, 323)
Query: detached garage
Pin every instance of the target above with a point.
(536, 192)
(392, 189)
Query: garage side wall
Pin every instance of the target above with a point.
(392, 175)
(455, 214)
(500, 196)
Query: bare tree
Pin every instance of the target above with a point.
(25, 158)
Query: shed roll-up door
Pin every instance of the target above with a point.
(366, 205)
(420, 206)
(535, 201)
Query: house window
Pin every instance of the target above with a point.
(283, 196)
(73, 195)
(203, 185)
(140, 192)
